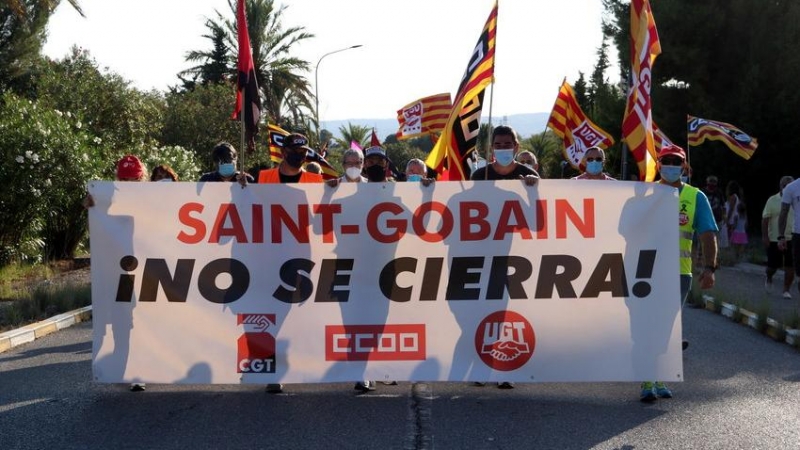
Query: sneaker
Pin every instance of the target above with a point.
(684, 345)
(479, 383)
(768, 285)
(365, 386)
(787, 295)
(648, 393)
(505, 385)
(137, 387)
(662, 391)
(274, 388)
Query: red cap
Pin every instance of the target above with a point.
(672, 150)
(130, 167)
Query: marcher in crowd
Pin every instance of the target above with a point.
(376, 164)
(790, 204)
(353, 165)
(224, 156)
(695, 216)
(594, 160)
(777, 258)
(739, 230)
(314, 167)
(163, 172)
(290, 170)
(505, 146)
(416, 170)
(527, 158)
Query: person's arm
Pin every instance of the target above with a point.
(782, 225)
(765, 231)
(709, 242)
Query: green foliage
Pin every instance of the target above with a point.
(43, 301)
(763, 311)
(22, 34)
(47, 157)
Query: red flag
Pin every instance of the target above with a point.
(374, 142)
(247, 85)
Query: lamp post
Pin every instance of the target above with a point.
(316, 87)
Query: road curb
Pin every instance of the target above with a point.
(30, 333)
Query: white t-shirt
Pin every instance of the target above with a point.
(791, 196)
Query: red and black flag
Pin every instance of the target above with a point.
(247, 86)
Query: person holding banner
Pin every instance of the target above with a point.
(694, 216)
(290, 170)
(224, 156)
(505, 146)
(416, 170)
(593, 160)
(353, 165)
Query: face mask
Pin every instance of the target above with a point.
(169, 180)
(226, 169)
(295, 159)
(504, 157)
(353, 173)
(376, 173)
(594, 167)
(414, 177)
(671, 174)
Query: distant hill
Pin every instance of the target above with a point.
(525, 124)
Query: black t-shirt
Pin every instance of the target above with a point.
(215, 176)
(290, 178)
(519, 170)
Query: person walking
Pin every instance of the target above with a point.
(777, 258)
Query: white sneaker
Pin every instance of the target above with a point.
(787, 295)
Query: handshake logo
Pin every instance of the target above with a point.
(505, 340)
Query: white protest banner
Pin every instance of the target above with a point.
(459, 281)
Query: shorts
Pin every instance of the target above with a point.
(777, 259)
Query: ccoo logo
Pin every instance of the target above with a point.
(505, 340)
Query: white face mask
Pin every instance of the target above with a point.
(353, 173)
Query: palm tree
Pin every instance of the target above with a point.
(285, 90)
(20, 10)
(215, 64)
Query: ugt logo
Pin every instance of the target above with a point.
(256, 347)
(505, 340)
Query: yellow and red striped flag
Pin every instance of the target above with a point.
(637, 124)
(737, 140)
(427, 115)
(568, 122)
(460, 136)
(275, 134)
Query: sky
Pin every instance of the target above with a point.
(410, 49)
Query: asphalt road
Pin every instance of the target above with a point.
(742, 393)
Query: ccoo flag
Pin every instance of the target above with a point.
(637, 125)
(460, 136)
(568, 122)
(247, 89)
(737, 140)
(425, 116)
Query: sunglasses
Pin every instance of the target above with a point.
(594, 159)
(671, 161)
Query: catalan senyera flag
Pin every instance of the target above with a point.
(568, 122)
(660, 140)
(276, 135)
(427, 115)
(737, 140)
(247, 93)
(637, 124)
(460, 136)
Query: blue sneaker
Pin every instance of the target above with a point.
(648, 393)
(662, 391)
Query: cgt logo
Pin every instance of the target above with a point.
(398, 342)
(256, 347)
(505, 340)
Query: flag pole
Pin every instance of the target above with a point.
(488, 140)
(242, 148)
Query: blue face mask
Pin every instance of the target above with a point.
(504, 157)
(414, 177)
(594, 167)
(684, 179)
(671, 174)
(226, 169)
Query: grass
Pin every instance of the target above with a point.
(27, 295)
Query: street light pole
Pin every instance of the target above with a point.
(316, 87)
